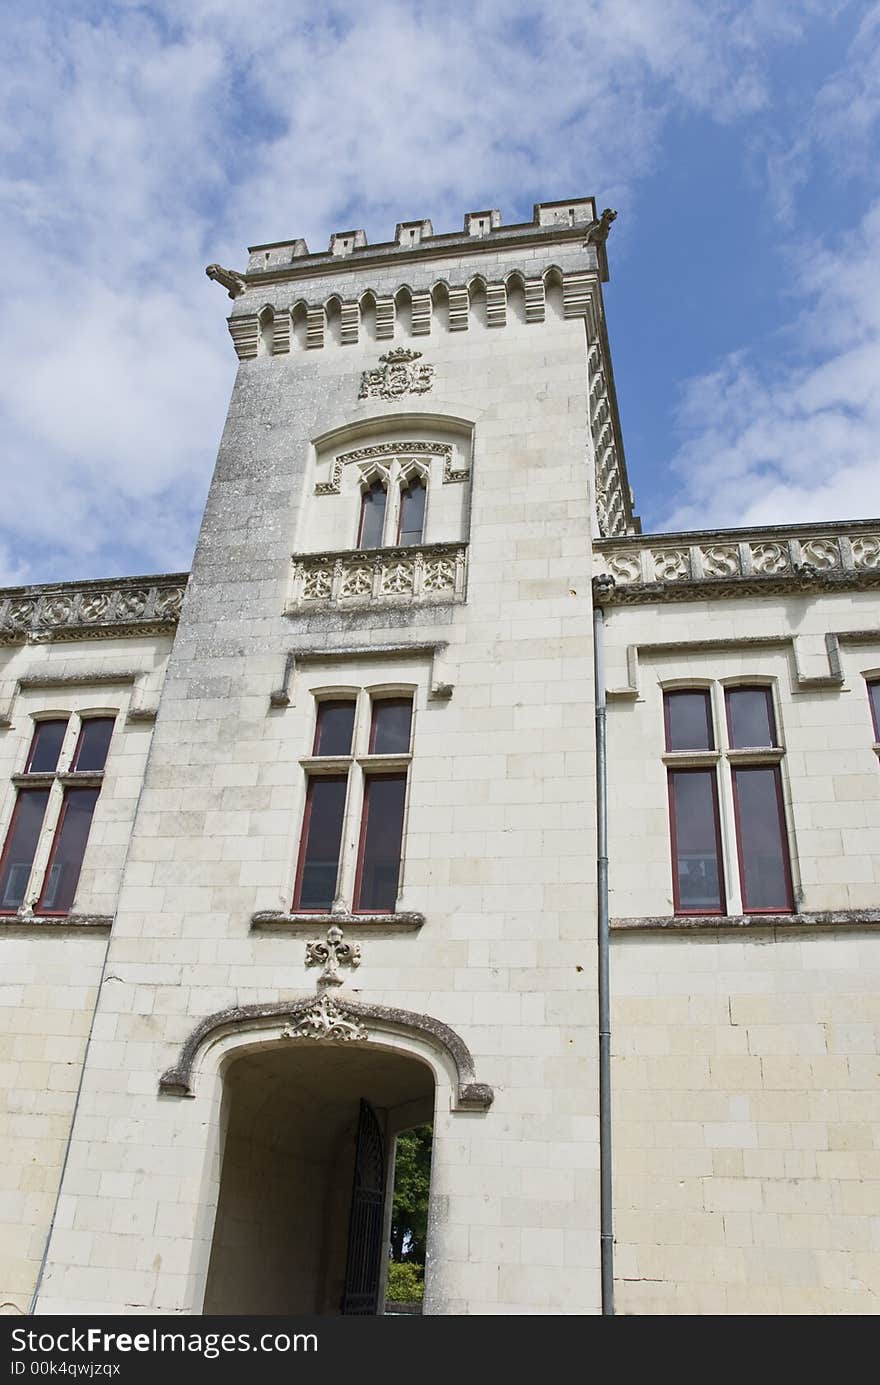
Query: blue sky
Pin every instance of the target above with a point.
(738, 142)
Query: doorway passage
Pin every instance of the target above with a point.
(304, 1216)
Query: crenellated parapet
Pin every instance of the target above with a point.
(483, 232)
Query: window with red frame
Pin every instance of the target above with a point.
(874, 700)
(371, 789)
(58, 799)
(697, 877)
(762, 839)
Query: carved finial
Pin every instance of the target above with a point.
(331, 955)
(597, 231)
(230, 280)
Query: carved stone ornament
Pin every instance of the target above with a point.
(597, 231)
(396, 376)
(326, 1019)
(233, 283)
(331, 955)
(88, 610)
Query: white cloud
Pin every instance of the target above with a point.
(766, 444)
(141, 142)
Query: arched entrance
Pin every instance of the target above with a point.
(303, 1216)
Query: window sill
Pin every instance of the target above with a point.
(761, 755)
(269, 921)
(340, 764)
(97, 922)
(689, 923)
(79, 778)
(691, 759)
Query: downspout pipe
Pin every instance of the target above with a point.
(605, 1190)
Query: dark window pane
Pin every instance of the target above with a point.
(688, 721)
(94, 742)
(874, 696)
(68, 850)
(46, 746)
(334, 727)
(381, 836)
(763, 850)
(750, 718)
(412, 513)
(693, 803)
(372, 517)
(21, 843)
(390, 731)
(322, 835)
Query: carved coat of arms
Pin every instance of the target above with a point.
(397, 375)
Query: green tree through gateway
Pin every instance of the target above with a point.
(409, 1212)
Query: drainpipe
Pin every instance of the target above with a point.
(605, 1197)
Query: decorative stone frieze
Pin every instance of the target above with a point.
(399, 374)
(403, 450)
(806, 558)
(428, 574)
(91, 610)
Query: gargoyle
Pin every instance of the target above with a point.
(597, 231)
(231, 281)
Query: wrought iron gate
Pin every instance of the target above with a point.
(365, 1226)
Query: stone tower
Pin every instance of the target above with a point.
(362, 868)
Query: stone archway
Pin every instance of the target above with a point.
(284, 1228)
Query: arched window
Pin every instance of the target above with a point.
(412, 513)
(372, 523)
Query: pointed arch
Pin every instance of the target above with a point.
(266, 324)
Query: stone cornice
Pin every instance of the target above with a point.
(98, 609)
(715, 564)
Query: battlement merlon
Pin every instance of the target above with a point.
(573, 220)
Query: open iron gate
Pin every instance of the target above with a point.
(365, 1226)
